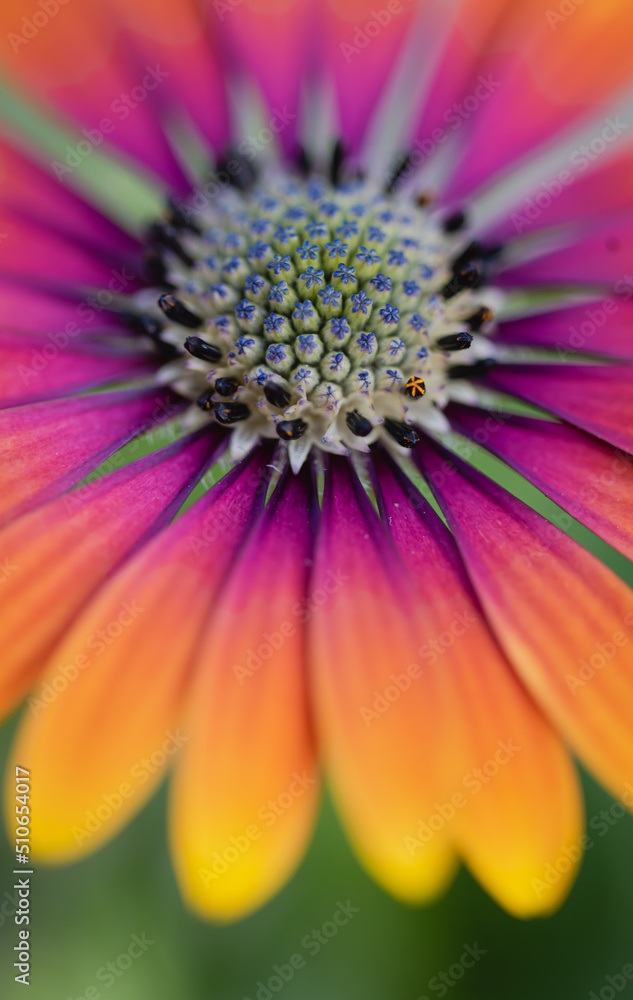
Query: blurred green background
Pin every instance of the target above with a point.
(85, 916)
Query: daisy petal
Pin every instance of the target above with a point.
(87, 71)
(41, 310)
(602, 327)
(564, 620)
(28, 191)
(548, 72)
(362, 636)
(30, 249)
(571, 196)
(510, 800)
(599, 399)
(58, 554)
(587, 478)
(178, 40)
(360, 75)
(269, 40)
(602, 256)
(472, 24)
(39, 368)
(49, 447)
(245, 793)
(135, 638)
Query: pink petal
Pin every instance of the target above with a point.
(580, 191)
(49, 447)
(604, 254)
(589, 479)
(548, 76)
(30, 190)
(34, 368)
(602, 327)
(64, 549)
(269, 41)
(363, 42)
(564, 620)
(597, 398)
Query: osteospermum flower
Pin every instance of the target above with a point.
(326, 334)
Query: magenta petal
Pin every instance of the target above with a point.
(570, 196)
(272, 48)
(47, 448)
(602, 327)
(81, 538)
(180, 41)
(31, 250)
(552, 606)
(37, 309)
(597, 398)
(36, 368)
(605, 254)
(360, 75)
(590, 480)
(29, 190)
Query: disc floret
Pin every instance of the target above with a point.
(323, 316)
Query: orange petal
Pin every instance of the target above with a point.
(57, 555)
(545, 71)
(564, 620)
(586, 477)
(81, 62)
(101, 743)
(362, 638)
(246, 789)
(510, 800)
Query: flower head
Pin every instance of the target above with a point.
(450, 656)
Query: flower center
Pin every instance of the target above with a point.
(324, 316)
